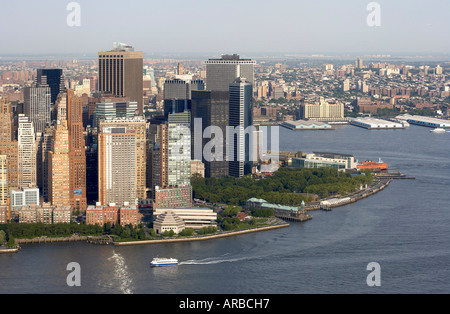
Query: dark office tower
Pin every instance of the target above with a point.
(121, 74)
(240, 119)
(37, 106)
(54, 79)
(221, 72)
(212, 107)
(92, 175)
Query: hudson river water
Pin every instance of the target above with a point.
(405, 229)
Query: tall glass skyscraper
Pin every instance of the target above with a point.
(240, 119)
(54, 79)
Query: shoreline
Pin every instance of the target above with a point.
(204, 238)
(353, 199)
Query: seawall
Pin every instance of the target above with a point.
(204, 238)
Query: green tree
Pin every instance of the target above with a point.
(2, 236)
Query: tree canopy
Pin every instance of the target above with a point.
(287, 186)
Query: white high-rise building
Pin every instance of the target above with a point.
(27, 152)
(117, 166)
(24, 197)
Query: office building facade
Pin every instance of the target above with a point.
(54, 79)
(8, 143)
(117, 165)
(221, 72)
(240, 119)
(121, 74)
(77, 153)
(27, 152)
(58, 181)
(37, 106)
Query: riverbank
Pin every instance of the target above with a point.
(375, 188)
(204, 238)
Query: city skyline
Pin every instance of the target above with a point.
(204, 27)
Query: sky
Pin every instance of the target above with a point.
(233, 26)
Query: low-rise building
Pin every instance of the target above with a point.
(168, 221)
(123, 215)
(4, 214)
(306, 125)
(321, 160)
(172, 197)
(195, 217)
(45, 213)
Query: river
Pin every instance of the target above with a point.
(404, 228)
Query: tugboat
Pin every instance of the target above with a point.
(158, 262)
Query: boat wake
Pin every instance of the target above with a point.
(214, 260)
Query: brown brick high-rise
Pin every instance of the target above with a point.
(120, 72)
(8, 143)
(77, 153)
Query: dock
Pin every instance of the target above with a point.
(292, 216)
(49, 240)
(393, 175)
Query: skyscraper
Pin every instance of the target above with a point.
(109, 109)
(27, 148)
(160, 157)
(179, 149)
(3, 180)
(211, 108)
(240, 119)
(121, 73)
(77, 151)
(221, 72)
(37, 106)
(45, 148)
(59, 166)
(54, 79)
(117, 166)
(138, 125)
(8, 143)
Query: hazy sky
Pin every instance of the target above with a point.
(226, 26)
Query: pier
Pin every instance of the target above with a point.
(292, 216)
(393, 175)
(49, 240)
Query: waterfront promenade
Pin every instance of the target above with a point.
(206, 237)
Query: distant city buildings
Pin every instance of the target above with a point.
(322, 110)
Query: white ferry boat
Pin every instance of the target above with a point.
(164, 262)
(438, 130)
